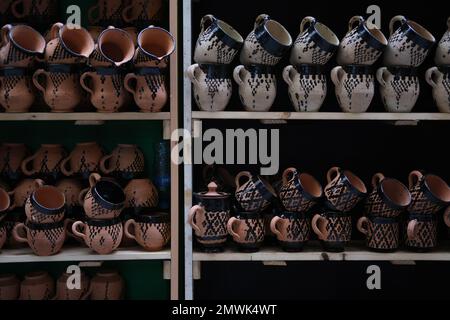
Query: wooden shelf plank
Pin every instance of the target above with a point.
(83, 116)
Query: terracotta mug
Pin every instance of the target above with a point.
(107, 285)
(344, 190)
(151, 231)
(315, 44)
(255, 194)
(37, 285)
(266, 44)
(439, 79)
(382, 234)
(143, 12)
(141, 193)
(23, 190)
(299, 191)
(9, 287)
(126, 160)
(399, 88)
(46, 161)
(46, 204)
(389, 197)
(442, 55)
(19, 45)
(247, 230)
(83, 160)
(155, 45)
(334, 229)
(212, 86)
(292, 230)
(44, 239)
(421, 232)
(217, 43)
(16, 89)
(114, 48)
(257, 86)
(66, 290)
(101, 236)
(71, 188)
(106, 12)
(429, 193)
(11, 157)
(103, 200)
(362, 45)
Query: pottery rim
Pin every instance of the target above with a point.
(49, 198)
(81, 33)
(326, 33)
(20, 39)
(230, 31)
(278, 32)
(160, 51)
(396, 192)
(354, 181)
(437, 187)
(126, 56)
(421, 31)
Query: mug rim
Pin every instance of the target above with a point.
(302, 189)
(215, 71)
(139, 44)
(44, 210)
(320, 40)
(353, 188)
(60, 36)
(264, 188)
(267, 40)
(108, 204)
(224, 36)
(410, 26)
(427, 190)
(365, 33)
(386, 198)
(22, 48)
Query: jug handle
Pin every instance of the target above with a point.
(412, 229)
(376, 179)
(192, 213)
(360, 225)
(230, 224)
(429, 75)
(307, 20)
(78, 233)
(64, 170)
(237, 74)
(286, 173)
(380, 76)
(16, 235)
(91, 11)
(54, 31)
(126, 14)
(414, 177)
(262, 18)
(393, 21)
(36, 82)
(287, 74)
(127, 83)
(103, 164)
(239, 176)
(24, 164)
(191, 73)
(273, 226)
(206, 21)
(4, 34)
(336, 73)
(82, 195)
(83, 83)
(334, 171)
(94, 178)
(14, 10)
(322, 234)
(126, 228)
(353, 20)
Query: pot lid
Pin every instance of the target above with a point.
(212, 191)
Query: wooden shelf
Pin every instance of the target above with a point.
(83, 116)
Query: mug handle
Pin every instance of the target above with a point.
(353, 20)
(15, 11)
(25, 163)
(103, 164)
(126, 14)
(241, 174)
(411, 230)
(393, 21)
(322, 234)
(83, 83)
(376, 179)
(237, 74)
(54, 30)
(287, 74)
(336, 75)
(429, 76)
(77, 232)
(307, 20)
(360, 225)
(262, 18)
(64, 170)
(380, 76)
(191, 216)
(286, 173)
(414, 177)
(273, 226)
(4, 34)
(191, 73)
(447, 217)
(206, 21)
(230, 224)
(16, 235)
(82, 195)
(127, 83)
(126, 229)
(36, 77)
(94, 178)
(334, 171)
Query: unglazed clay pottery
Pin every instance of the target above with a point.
(148, 87)
(292, 230)
(399, 88)
(107, 285)
(439, 79)
(382, 234)
(334, 229)
(315, 44)
(141, 193)
(16, 89)
(421, 232)
(83, 160)
(37, 285)
(44, 239)
(389, 197)
(143, 12)
(106, 12)
(101, 236)
(209, 218)
(212, 86)
(254, 194)
(68, 45)
(45, 162)
(23, 190)
(442, 56)
(126, 160)
(114, 48)
(266, 44)
(362, 45)
(19, 45)
(247, 230)
(104, 199)
(46, 204)
(60, 87)
(299, 191)
(408, 45)
(151, 231)
(257, 86)
(66, 290)
(217, 43)
(155, 45)
(71, 189)
(354, 87)
(307, 87)
(344, 190)
(429, 193)
(9, 287)
(11, 157)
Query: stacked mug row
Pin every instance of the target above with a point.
(39, 285)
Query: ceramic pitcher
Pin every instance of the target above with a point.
(140, 12)
(439, 79)
(46, 204)
(101, 236)
(46, 161)
(11, 157)
(141, 193)
(442, 56)
(83, 160)
(16, 89)
(152, 232)
(429, 193)
(382, 234)
(253, 193)
(155, 45)
(247, 230)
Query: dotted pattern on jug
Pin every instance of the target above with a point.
(403, 86)
(401, 43)
(362, 52)
(52, 236)
(308, 84)
(259, 53)
(214, 47)
(318, 56)
(154, 84)
(9, 82)
(15, 55)
(60, 53)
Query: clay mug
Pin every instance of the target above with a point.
(442, 55)
(46, 204)
(71, 188)
(37, 285)
(44, 239)
(429, 193)
(247, 230)
(60, 86)
(83, 160)
(439, 79)
(389, 197)
(362, 45)
(101, 236)
(217, 43)
(126, 160)
(11, 157)
(408, 45)
(148, 87)
(307, 86)
(382, 234)
(354, 87)
(255, 194)
(151, 231)
(315, 44)
(266, 44)
(292, 230)
(344, 190)
(143, 12)
(141, 193)
(104, 12)
(68, 45)
(334, 229)
(421, 232)
(104, 199)
(23, 190)
(212, 86)
(9, 287)
(155, 45)
(66, 290)
(19, 45)
(257, 86)
(46, 161)
(299, 191)
(399, 88)
(107, 285)
(16, 89)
